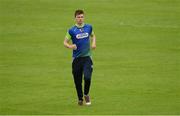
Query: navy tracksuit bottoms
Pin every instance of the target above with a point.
(82, 67)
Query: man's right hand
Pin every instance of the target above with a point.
(68, 45)
(73, 46)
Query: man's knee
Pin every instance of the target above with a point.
(87, 76)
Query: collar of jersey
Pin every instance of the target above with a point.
(80, 26)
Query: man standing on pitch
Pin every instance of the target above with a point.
(80, 35)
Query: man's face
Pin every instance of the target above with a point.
(79, 19)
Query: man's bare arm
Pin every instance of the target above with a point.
(93, 38)
(68, 45)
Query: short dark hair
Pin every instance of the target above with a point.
(78, 12)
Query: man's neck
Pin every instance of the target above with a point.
(79, 25)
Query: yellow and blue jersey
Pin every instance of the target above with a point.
(81, 37)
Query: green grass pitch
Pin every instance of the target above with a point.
(136, 63)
